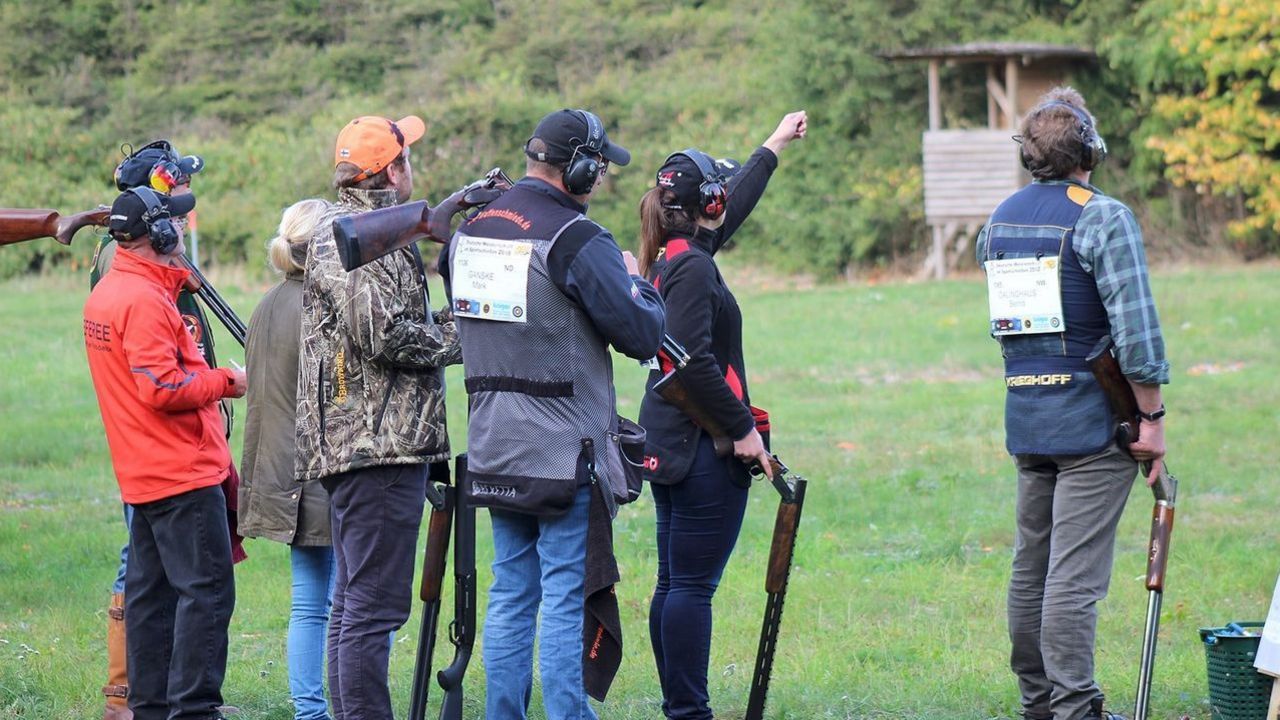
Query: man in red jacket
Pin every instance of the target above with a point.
(159, 403)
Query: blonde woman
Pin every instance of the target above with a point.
(272, 504)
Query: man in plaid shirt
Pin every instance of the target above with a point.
(1066, 267)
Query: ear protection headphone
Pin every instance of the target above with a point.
(1093, 149)
(585, 166)
(164, 175)
(712, 196)
(162, 231)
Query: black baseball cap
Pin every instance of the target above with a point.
(681, 175)
(564, 130)
(135, 170)
(129, 217)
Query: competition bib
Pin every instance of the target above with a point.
(1024, 296)
(491, 279)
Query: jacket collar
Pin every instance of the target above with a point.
(168, 277)
(543, 187)
(1066, 181)
(696, 235)
(368, 199)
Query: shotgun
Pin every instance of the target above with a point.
(462, 631)
(781, 552)
(198, 285)
(782, 548)
(440, 495)
(21, 225)
(365, 237)
(1106, 369)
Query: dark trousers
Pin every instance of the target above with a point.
(181, 592)
(375, 514)
(698, 523)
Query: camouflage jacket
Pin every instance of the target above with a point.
(372, 357)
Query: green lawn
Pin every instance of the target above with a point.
(887, 397)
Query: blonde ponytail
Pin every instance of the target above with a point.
(287, 251)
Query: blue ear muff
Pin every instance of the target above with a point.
(160, 229)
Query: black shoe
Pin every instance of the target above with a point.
(1097, 713)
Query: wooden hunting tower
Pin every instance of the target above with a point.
(969, 170)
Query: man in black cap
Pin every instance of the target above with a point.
(159, 404)
(540, 293)
(159, 166)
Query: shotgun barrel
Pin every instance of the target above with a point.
(200, 286)
(462, 631)
(433, 567)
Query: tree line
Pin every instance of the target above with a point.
(1187, 93)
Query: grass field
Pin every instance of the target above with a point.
(887, 397)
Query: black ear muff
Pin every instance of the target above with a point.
(1022, 154)
(585, 166)
(713, 198)
(160, 228)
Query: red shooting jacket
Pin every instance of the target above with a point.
(157, 395)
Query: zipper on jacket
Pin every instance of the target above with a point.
(320, 400)
(386, 398)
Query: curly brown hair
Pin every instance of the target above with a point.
(1051, 135)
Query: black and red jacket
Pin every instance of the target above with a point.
(703, 316)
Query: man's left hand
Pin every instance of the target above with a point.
(1150, 447)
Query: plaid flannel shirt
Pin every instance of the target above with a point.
(1108, 243)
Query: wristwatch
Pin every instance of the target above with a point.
(1152, 417)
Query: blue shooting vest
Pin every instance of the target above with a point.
(1053, 404)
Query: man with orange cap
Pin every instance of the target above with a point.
(371, 415)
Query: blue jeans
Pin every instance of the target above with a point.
(538, 562)
(698, 523)
(313, 573)
(118, 586)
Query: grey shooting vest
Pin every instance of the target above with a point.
(541, 398)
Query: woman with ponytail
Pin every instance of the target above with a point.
(272, 504)
(695, 206)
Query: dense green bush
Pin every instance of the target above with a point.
(261, 89)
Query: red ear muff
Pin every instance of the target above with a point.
(713, 200)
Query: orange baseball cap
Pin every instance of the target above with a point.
(371, 142)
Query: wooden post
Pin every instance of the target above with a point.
(993, 120)
(935, 99)
(1011, 89)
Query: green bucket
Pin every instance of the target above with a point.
(1236, 690)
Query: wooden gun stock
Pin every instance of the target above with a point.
(673, 390)
(1106, 370)
(365, 237)
(21, 225)
(783, 546)
(1158, 549)
(433, 562)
